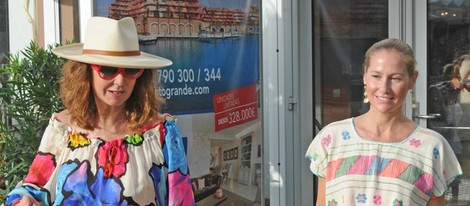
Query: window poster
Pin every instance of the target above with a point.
(213, 85)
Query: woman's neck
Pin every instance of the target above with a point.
(111, 123)
(384, 128)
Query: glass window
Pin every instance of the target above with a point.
(448, 56)
(213, 87)
(3, 30)
(343, 31)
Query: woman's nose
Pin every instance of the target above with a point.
(385, 84)
(119, 78)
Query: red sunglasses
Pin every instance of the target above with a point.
(109, 73)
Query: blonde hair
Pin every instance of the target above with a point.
(77, 96)
(392, 44)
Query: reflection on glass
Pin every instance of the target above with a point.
(449, 60)
(343, 30)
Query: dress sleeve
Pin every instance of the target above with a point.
(446, 166)
(317, 153)
(41, 169)
(179, 181)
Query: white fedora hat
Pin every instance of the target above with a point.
(110, 42)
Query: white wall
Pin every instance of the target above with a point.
(199, 154)
(20, 30)
(198, 147)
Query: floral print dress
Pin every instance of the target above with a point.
(149, 168)
(358, 171)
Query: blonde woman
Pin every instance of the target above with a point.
(382, 157)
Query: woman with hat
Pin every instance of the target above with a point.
(111, 145)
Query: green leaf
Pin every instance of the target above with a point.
(28, 95)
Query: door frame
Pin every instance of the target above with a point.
(407, 21)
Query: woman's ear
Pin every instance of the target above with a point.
(413, 79)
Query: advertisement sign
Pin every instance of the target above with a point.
(235, 107)
(214, 46)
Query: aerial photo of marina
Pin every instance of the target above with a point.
(220, 37)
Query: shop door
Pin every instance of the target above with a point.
(439, 105)
(343, 31)
(438, 31)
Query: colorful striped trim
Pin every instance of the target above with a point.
(383, 167)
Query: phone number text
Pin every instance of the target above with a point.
(189, 75)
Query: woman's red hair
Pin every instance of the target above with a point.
(76, 94)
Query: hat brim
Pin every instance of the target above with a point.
(142, 61)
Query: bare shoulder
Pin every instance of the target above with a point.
(156, 119)
(64, 117)
(159, 118)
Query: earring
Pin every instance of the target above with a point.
(366, 99)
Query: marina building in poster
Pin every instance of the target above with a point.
(187, 19)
